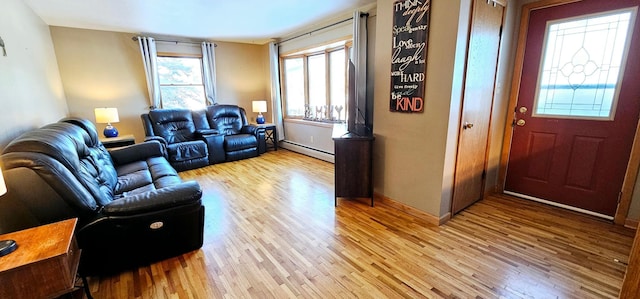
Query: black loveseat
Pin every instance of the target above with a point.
(194, 139)
(131, 205)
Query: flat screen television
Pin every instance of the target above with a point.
(358, 116)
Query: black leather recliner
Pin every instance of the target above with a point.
(241, 140)
(174, 128)
(131, 205)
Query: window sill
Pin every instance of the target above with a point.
(311, 122)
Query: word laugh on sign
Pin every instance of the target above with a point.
(409, 52)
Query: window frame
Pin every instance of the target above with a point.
(183, 55)
(346, 47)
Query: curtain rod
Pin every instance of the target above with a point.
(135, 39)
(364, 14)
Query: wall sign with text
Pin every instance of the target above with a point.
(409, 55)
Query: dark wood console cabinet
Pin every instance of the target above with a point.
(353, 165)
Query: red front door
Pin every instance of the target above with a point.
(578, 105)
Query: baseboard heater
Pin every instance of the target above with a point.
(307, 150)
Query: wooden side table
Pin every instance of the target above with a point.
(270, 135)
(353, 165)
(120, 141)
(45, 263)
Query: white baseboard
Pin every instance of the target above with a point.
(305, 150)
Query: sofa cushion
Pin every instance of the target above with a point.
(227, 119)
(188, 150)
(174, 125)
(239, 142)
(131, 181)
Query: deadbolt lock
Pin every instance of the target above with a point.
(523, 110)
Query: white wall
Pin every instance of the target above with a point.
(412, 152)
(31, 92)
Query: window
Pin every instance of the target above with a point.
(315, 83)
(582, 64)
(294, 86)
(181, 84)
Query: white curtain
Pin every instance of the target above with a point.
(359, 55)
(149, 55)
(276, 99)
(209, 70)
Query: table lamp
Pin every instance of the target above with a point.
(259, 106)
(107, 116)
(6, 246)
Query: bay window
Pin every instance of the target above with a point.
(315, 83)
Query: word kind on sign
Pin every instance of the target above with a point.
(409, 55)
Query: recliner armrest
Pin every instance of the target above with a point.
(250, 129)
(156, 138)
(159, 199)
(136, 152)
(204, 132)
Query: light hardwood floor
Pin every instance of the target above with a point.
(272, 231)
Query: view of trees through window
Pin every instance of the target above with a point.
(181, 84)
(315, 84)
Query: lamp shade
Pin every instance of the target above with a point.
(259, 106)
(3, 186)
(106, 115)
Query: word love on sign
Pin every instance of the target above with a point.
(409, 55)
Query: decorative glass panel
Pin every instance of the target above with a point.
(582, 66)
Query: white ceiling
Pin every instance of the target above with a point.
(252, 21)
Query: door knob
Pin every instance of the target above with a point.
(521, 123)
(467, 125)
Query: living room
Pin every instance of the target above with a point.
(51, 72)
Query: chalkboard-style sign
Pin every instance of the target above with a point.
(409, 55)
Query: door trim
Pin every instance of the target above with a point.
(633, 165)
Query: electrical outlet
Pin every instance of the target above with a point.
(311, 138)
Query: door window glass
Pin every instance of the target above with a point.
(582, 65)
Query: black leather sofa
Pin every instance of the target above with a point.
(131, 205)
(198, 138)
